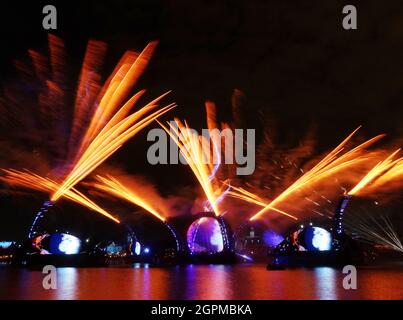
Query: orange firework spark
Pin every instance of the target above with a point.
(393, 173)
(106, 143)
(330, 164)
(196, 150)
(242, 194)
(113, 186)
(30, 180)
(387, 169)
(111, 126)
(104, 112)
(89, 88)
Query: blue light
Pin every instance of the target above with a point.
(39, 215)
(322, 239)
(5, 244)
(137, 248)
(113, 248)
(146, 250)
(318, 239)
(62, 243)
(174, 235)
(69, 244)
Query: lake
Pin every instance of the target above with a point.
(241, 281)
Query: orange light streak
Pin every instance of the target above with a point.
(194, 150)
(330, 164)
(392, 174)
(111, 126)
(31, 180)
(242, 194)
(380, 170)
(108, 142)
(101, 115)
(113, 186)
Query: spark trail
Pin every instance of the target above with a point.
(387, 169)
(377, 230)
(242, 194)
(330, 164)
(31, 180)
(197, 152)
(111, 126)
(102, 119)
(114, 187)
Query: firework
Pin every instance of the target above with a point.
(377, 230)
(111, 126)
(196, 150)
(242, 194)
(330, 164)
(384, 170)
(114, 187)
(102, 119)
(31, 180)
(106, 143)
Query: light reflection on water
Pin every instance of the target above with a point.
(66, 280)
(201, 282)
(326, 281)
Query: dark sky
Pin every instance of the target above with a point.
(292, 59)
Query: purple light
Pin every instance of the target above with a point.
(271, 238)
(204, 235)
(245, 257)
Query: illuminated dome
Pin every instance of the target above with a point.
(57, 243)
(62, 243)
(310, 238)
(317, 239)
(204, 236)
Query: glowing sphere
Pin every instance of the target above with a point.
(318, 239)
(204, 236)
(137, 248)
(61, 243)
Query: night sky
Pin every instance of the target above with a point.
(292, 59)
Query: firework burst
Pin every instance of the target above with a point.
(198, 155)
(385, 170)
(102, 120)
(116, 188)
(332, 163)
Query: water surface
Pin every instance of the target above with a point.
(241, 281)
